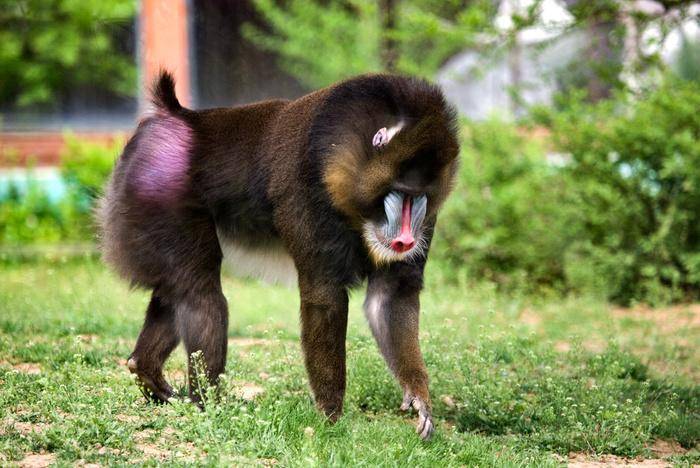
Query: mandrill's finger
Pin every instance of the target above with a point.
(425, 426)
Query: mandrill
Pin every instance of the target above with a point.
(343, 184)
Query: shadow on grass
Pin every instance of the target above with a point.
(566, 402)
(579, 401)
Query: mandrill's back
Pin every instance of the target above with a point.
(240, 153)
(187, 180)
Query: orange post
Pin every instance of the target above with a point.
(164, 43)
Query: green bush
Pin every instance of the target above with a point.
(615, 212)
(33, 218)
(510, 218)
(85, 168)
(636, 167)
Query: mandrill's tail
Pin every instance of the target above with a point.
(163, 93)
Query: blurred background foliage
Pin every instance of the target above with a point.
(62, 47)
(28, 215)
(347, 38)
(612, 209)
(597, 193)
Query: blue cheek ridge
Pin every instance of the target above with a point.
(393, 203)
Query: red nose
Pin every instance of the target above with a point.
(403, 243)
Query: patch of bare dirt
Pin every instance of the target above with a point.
(37, 460)
(562, 346)
(149, 447)
(662, 449)
(153, 451)
(105, 450)
(84, 464)
(24, 428)
(584, 460)
(448, 401)
(145, 435)
(162, 448)
(176, 375)
(591, 344)
(594, 345)
(245, 342)
(86, 338)
(31, 368)
(127, 418)
(667, 319)
(666, 448)
(27, 428)
(239, 460)
(20, 410)
(248, 391)
(530, 317)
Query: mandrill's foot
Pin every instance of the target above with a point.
(152, 384)
(333, 411)
(425, 425)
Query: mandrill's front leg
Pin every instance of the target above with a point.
(392, 308)
(324, 320)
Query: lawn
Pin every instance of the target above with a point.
(515, 382)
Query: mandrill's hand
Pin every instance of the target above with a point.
(425, 425)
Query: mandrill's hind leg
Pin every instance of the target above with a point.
(187, 305)
(202, 323)
(156, 341)
(392, 309)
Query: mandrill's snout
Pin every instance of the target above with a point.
(399, 236)
(405, 240)
(403, 243)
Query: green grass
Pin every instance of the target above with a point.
(515, 382)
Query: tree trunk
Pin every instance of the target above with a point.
(389, 49)
(600, 55)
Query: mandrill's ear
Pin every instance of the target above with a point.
(384, 135)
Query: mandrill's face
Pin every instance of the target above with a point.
(392, 190)
(397, 234)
